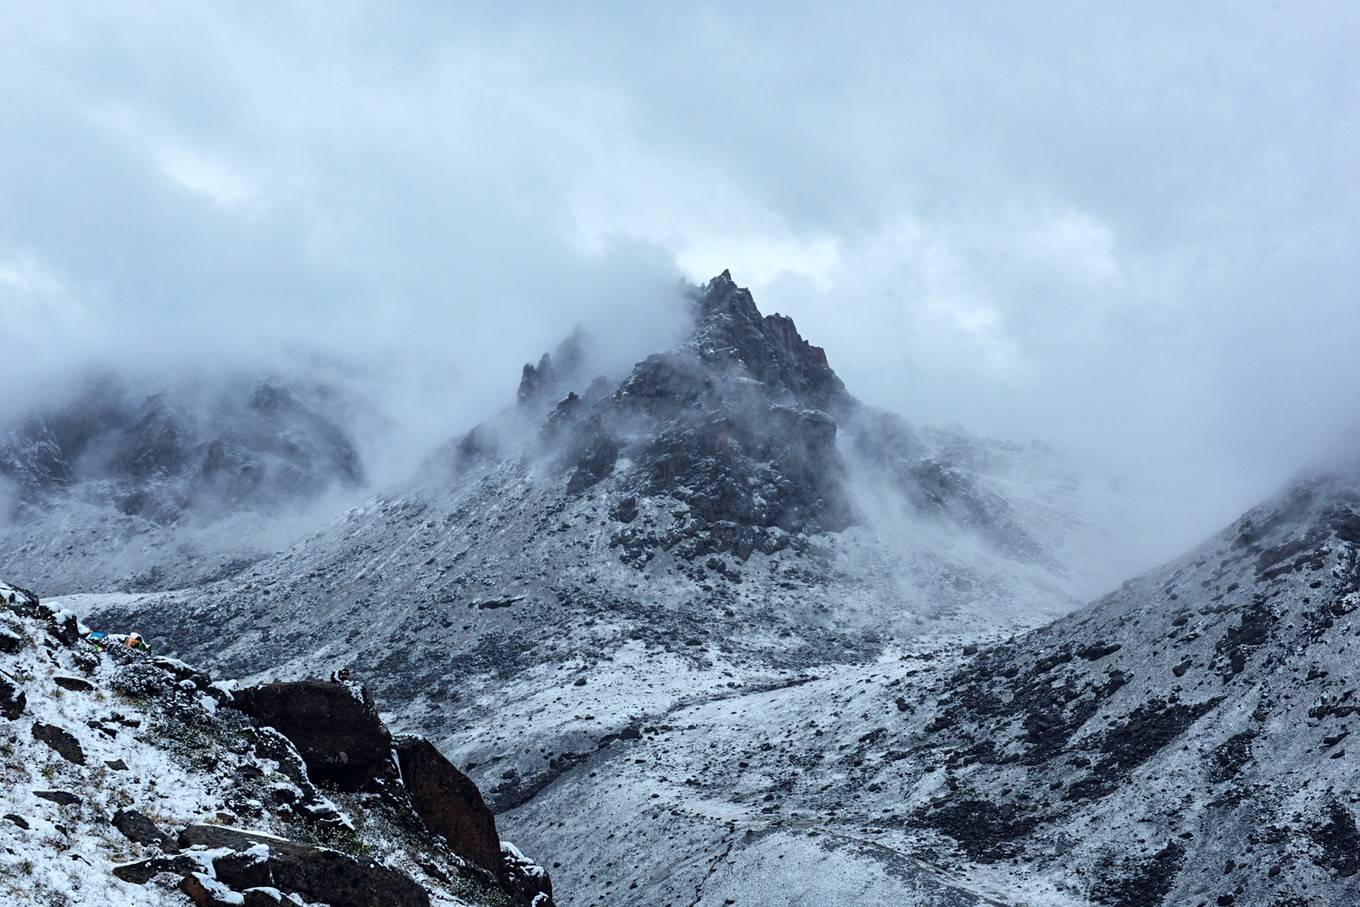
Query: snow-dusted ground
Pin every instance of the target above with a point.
(1182, 742)
(173, 754)
(65, 853)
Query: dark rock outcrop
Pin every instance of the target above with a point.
(739, 424)
(12, 697)
(62, 741)
(524, 878)
(59, 797)
(335, 727)
(140, 872)
(731, 330)
(74, 684)
(449, 803)
(136, 826)
(10, 642)
(316, 873)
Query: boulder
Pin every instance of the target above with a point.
(449, 802)
(334, 726)
(12, 698)
(59, 797)
(528, 882)
(10, 642)
(137, 827)
(182, 672)
(205, 891)
(64, 627)
(264, 897)
(22, 602)
(315, 873)
(141, 871)
(65, 743)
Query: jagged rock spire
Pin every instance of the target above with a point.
(729, 328)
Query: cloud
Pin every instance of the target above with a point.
(1125, 229)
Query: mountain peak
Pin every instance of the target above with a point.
(730, 329)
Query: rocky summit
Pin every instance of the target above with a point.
(712, 631)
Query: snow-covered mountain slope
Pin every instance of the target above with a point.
(118, 489)
(134, 780)
(1186, 740)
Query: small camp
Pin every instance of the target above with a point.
(101, 640)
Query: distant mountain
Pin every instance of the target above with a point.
(120, 489)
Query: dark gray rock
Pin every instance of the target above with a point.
(182, 672)
(449, 802)
(263, 897)
(204, 892)
(64, 627)
(63, 742)
(141, 871)
(334, 726)
(137, 827)
(59, 797)
(74, 684)
(12, 698)
(315, 873)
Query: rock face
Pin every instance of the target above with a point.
(449, 803)
(334, 726)
(739, 424)
(732, 332)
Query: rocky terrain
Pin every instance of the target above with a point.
(725, 515)
(135, 779)
(715, 632)
(1182, 741)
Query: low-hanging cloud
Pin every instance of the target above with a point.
(1125, 230)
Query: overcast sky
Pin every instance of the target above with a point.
(1126, 228)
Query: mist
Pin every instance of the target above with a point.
(1127, 232)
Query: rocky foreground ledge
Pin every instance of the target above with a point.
(127, 778)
